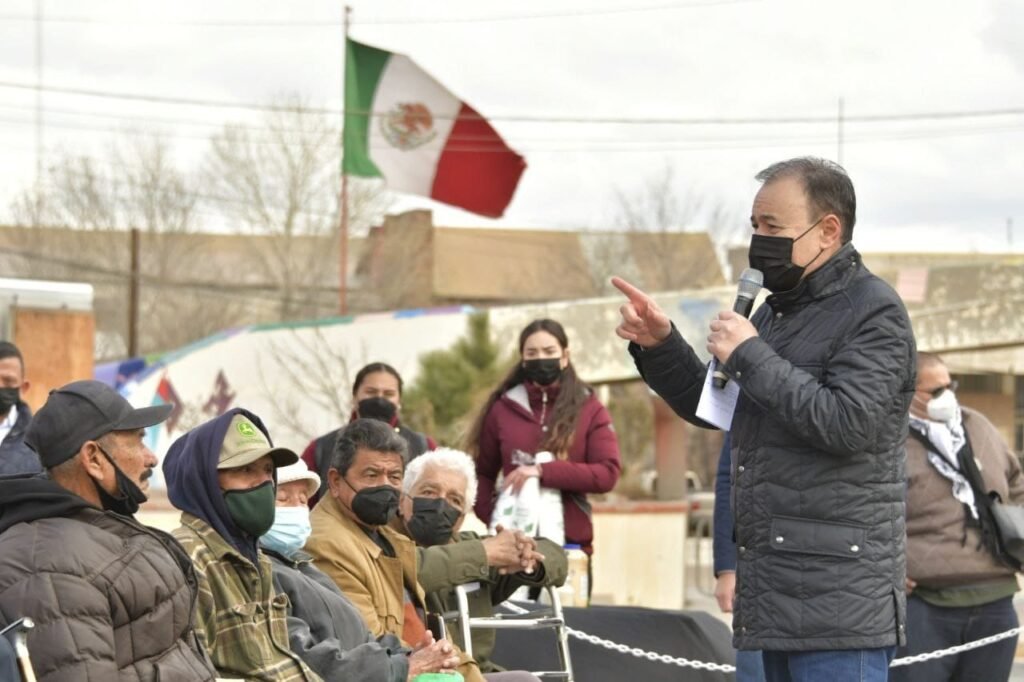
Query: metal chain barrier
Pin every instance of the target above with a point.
(725, 668)
(953, 650)
(634, 651)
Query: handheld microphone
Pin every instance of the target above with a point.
(751, 282)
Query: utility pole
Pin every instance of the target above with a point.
(39, 110)
(133, 296)
(839, 134)
(343, 199)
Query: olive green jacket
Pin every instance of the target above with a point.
(463, 562)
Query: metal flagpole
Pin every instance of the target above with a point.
(343, 212)
(39, 111)
(839, 134)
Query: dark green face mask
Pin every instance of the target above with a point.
(252, 509)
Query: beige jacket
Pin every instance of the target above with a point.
(374, 582)
(935, 519)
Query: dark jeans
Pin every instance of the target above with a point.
(749, 666)
(930, 628)
(845, 665)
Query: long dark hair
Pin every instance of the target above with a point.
(572, 394)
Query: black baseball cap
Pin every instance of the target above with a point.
(81, 411)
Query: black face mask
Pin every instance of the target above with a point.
(9, 397)
(380, 409)
(129, 496)
(432, 522)
(543, 371)
(374, 506)
(773, 256)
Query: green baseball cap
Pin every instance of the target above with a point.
(244, 443)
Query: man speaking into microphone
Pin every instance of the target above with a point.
(826, 374)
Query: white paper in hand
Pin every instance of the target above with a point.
(717, 405)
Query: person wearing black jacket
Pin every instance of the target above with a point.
(826, 372)
(376, 394)
(15, 456)
(749, 667)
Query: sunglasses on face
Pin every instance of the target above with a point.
(939, 390)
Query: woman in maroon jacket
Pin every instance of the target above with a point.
(543, 406)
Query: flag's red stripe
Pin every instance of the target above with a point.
(477, 171)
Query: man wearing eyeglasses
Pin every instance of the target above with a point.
(959, 591)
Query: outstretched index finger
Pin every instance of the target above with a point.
(631, 292)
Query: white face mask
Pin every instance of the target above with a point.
(943, 409)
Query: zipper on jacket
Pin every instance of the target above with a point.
(543, 410)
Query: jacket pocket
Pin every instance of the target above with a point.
(810, 536)
(812, 368)
(180, 664)
(241, 644)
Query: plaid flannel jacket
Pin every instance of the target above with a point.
(239, 617)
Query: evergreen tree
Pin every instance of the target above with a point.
(450, 382)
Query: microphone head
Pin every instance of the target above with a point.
(751, 282)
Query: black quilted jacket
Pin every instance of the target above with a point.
(818, 459)
(112, 600)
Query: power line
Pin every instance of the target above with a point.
(579, 14)
(696, 142)
(528, 118)
(380, 21)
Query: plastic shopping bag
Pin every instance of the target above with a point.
(534, 510)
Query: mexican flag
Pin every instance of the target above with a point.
(405, 127)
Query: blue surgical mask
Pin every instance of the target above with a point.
(290, 531)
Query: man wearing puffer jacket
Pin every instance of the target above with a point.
(111, 599)
(826, 372)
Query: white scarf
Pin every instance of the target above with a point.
(947, 438)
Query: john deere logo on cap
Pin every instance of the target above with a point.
(246, 429)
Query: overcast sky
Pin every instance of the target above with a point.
(922, 184)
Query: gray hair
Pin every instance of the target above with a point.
(828, 187)
(443, 458)
(928, 359)
(368, 434)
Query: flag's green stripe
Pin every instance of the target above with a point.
(363, 67)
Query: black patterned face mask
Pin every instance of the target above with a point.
(376, 505)
(433, 521)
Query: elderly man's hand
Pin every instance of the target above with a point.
(529, 557)
(728, 330)
(432, 657)
(502, 550)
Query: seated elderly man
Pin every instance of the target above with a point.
(324, 627)
(374, 565)
(112, 599)
(440, 487)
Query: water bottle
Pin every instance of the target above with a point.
(439, 677)
(575, 590)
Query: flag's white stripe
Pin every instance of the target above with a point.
(402, 82)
